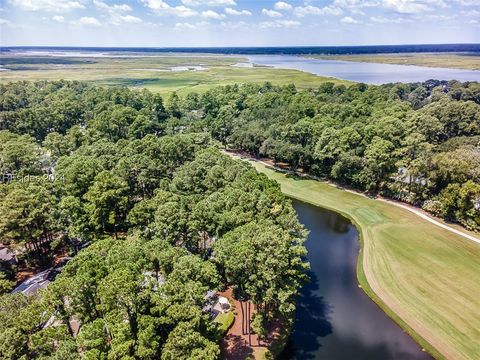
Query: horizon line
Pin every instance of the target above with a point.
(231, 47)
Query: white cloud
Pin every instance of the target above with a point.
(231, 11)
(271, 13)
(210, 14)
(234, 25)
(439, 3)
(470, 13)
(280, 24)
(112, 8)
(130, 19)
(185, 26)
(156, 4)
(122, 7)
(384, 20)
(8, 24)
(47, 5)
(190, 26)
(281, 5)
(183, 11)
(349, 20)
(436, 17)
(302, 11)
(116, 13)
(357, 11)
(88, 21)
(209, 2)
(160, 7)
(406, 6)
(58, 18)
(353, 4)
(469, 2)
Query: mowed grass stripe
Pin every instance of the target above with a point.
(425, 277)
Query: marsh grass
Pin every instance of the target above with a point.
(153, 72)
(442, 60)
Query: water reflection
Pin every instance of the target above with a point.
(312, 322)
(335, 319)
(338, 224)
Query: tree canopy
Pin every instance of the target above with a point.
(169, 218)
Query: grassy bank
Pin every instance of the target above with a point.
(153, 72)
(424, 277)
(442, 60)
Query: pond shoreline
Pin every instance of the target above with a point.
(365, 286)
(408, 312)
(335, 246)
(361, 275)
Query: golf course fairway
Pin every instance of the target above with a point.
(424, 277)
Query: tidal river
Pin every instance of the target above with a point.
(368, 73)
(335, 320)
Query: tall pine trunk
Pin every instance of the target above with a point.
(243, 318)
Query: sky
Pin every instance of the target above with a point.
(185, 23)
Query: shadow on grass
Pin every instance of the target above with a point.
(238, 348)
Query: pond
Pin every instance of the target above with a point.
(368, 73)
(335, 319)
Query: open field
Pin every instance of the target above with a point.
(152, 73)
(442, 60)
(424, 277)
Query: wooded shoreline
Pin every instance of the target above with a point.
(377, 255)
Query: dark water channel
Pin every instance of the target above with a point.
(335, 320)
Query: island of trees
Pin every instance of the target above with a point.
(167, 217)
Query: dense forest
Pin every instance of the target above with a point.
(166, 216)
(419, 143)
(169, 217)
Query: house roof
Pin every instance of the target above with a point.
(6, 254)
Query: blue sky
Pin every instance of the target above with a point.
(237, 22)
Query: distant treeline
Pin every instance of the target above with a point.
(277, 50)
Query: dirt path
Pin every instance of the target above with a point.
(234, 345)
(410, 208)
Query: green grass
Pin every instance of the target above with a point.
(424, 277)
(443, 60)
(140, 72)
(225, 320)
